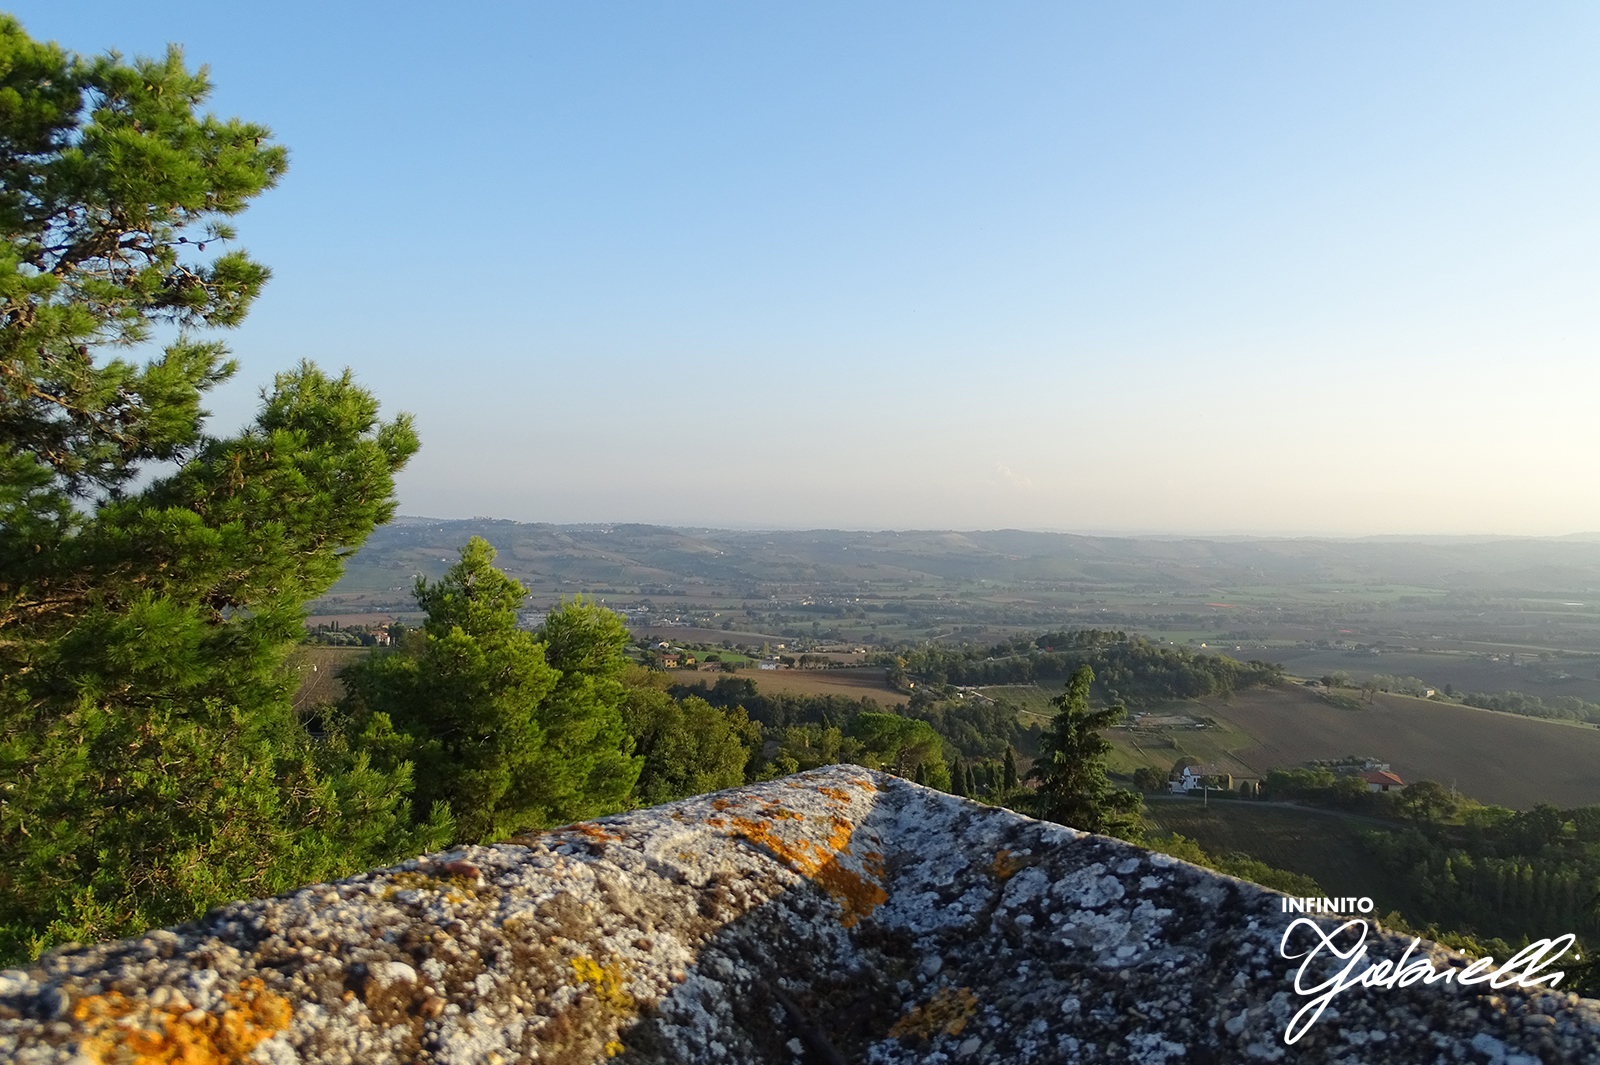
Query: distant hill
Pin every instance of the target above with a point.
(635, 554)
(1477, 595)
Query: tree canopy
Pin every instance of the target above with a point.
(508, 731)
(151, 764)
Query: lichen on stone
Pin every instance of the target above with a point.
(837, 915)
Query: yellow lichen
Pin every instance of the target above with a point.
(947, 1011)
(128, 1031)
(613, 1048)
(606, 981)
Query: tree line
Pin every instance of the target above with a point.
(1127, 669)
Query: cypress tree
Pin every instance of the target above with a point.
(1073, 786)
(920, 776)
(1009, 778)
(958, 779)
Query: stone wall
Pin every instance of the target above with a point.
(836, 916)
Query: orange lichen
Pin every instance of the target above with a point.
(596, 833)
(132, 1032)
(856, 895)
(722, 804)
(947, 1011)
(1004, 866)
(865, 785)
(836, 794)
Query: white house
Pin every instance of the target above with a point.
(1191, 778)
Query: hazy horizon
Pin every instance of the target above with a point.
(1121, 534)
(1240, 269)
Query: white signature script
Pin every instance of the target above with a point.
(1520, 970)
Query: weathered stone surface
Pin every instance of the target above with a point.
(839, 915)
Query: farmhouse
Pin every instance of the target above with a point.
(1381, 780)
(1194, 777)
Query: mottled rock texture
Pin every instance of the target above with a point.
(839, 915)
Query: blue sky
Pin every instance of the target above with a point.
(1248, 267)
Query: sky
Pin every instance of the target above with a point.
(1264, 268)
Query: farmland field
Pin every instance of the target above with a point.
(318, 668)
(854, 683)
(1545, 678)
(1494, 758)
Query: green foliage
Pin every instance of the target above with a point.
(898, 744)
(107, 177)
(802, 747)
(978, 729)
(1126, 668)
(1561, 708)
(1240, 865)
(688, 746)
(1073, 786)
(151, 762)
(1426, 800)
(1531, 874)
(509, 733)
(1148, 778)
(1498, 949)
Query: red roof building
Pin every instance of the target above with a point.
(1378, 780)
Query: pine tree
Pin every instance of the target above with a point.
(508, 732)
(1073, 786)
(151, 762)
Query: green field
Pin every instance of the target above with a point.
(1213, 745)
